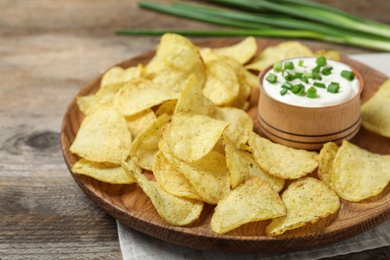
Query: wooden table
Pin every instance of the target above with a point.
(48, 51)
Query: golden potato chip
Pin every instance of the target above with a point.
(242, 51)
(190, 136)
(359, 174)
(325, 162)
(139, 122)
(167, 107)
(282, 161)
(307, 200)
(376, 111)
(139, 94)
(240, 123)
(104, 172)
(222, 85)
(241, 165)
(103, 97)
(254, 200)
(171, 179)
(329, 54)
(103, 137)
(192, 99)
(284, 50)
(175, 210)
(175, 60)
(111, 76)
(145, 146)
(209, 175)
(133, 72)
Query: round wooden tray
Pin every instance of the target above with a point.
(128, 204)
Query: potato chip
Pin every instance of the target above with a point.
(167, 107)
(175, 60)
(307, 200)
(254, 200)
(139, 94)
(240, 124)
(242, 51)
(329, 54)
(284, 50)
(104, 172)
(192, 100)
(282, 161)
(112, 76)
(171, 179)
(175, 210)
(209, 175)
(222, 85)
(325, 162)
(190, 136)
(103, 97)
(145, 146)
(359, 174)
(241, 165)
(139, 122)
(376, 111)
(103, 137)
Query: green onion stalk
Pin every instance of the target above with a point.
(266, 18)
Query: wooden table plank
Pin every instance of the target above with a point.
(48, 51)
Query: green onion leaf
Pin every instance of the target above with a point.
(319, 84)
(321, 61)
(287, 85)
(327, 71)
(288, 65)
(283, 91)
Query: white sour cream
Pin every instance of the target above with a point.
(348, 89)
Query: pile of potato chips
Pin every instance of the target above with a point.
(182, 117)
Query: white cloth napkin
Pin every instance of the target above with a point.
(136, 245)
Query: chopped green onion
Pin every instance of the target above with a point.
(271, 78)
(317, 76)
(319, 85)
(300, 63)
(349, 75)
(298, 75)
(312, 92)
(333, 87)
(327, 71)
(287, 85)
(321, 61)
(283, 91)
(288, 65)
(308, 75)
(289, 76)
(298, 89)
(278, 66)
(304, 79)
(316, 69)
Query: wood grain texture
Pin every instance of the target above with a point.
(48, 51)
(130, 205)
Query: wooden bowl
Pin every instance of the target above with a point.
(308, 127)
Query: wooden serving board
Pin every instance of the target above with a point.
(128, 204)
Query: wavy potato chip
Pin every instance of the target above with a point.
(209, 175)
(376, 111)
(171, 179)
(222, 85)
(329, 54)
(175, 210)
(104, 172)
(144, 148)
(140, 122)
(359, 174)
(254, 200)
(103, 136)
(191, 136)
(242, 165)
(240, 124)
(307, 200)
(139, 94)
(192, 100)
(325, 162)
(242, 51)
(284, 50)
(282, 161)
(175, 60)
